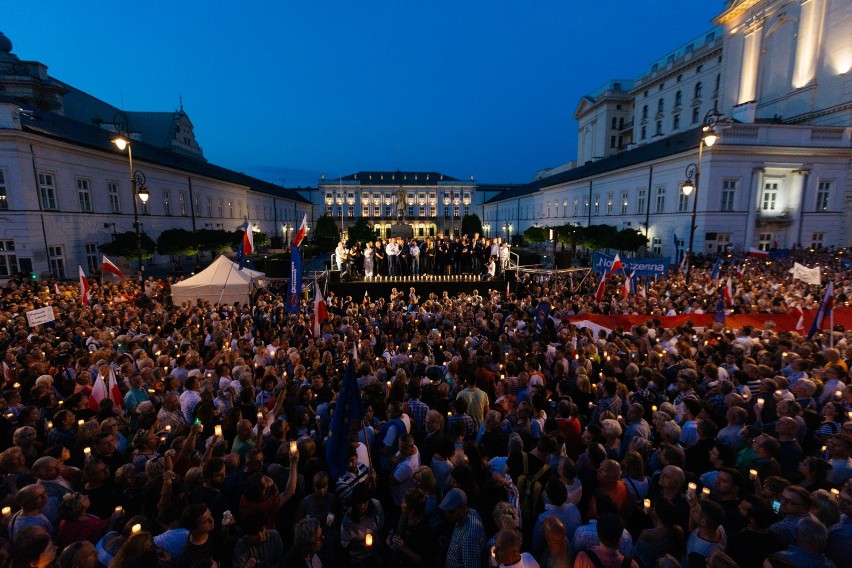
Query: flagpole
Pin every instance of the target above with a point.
(831, 329)
(228, 277)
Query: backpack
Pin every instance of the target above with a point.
(529, 491)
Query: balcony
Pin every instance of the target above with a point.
(779, 217)
(627, 126)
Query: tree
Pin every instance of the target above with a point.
(471, 224)
(629, 240)
(599, 236)
(177, 242)
(213, 241)
(362, 231)
(326, 228)
(571, 235)
(124, 244)
(536, 234)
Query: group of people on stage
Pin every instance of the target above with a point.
(442, 255)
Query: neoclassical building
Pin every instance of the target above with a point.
(772, 78)
(65, 187)
(432, 203)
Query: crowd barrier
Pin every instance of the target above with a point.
(783, 322)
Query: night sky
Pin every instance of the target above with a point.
(289, 90)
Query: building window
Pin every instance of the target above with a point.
(576, 206)
(658, 131)
(196, 207)
(240, 209)
(823, 192)
(661, 105)
(114, 201)
(351, 211)
(221, 209)
(698, 90)
(682, 202)
(410, 211)
(377, 210)
(816, 240)
(47, 192)
(624, 203)
(723, 242)
(329, 210)
(770, 196)
(765, 242)
(209, 206)
(643, 133)
(56, 256)
(695, 114)
(729, 190)
(167, 202)
(678, 97)
(640, 201)
(182, 203)
(645, 111)
(661, 200)
(609, 203)
(456, 211)
(92, 263)
(676, 122)
(84, 195)
(8, 259)
(4, 201)
(657, 246)
(597, 205)
(586, 207)
(612, 141)
(230, 209)
(365, 210)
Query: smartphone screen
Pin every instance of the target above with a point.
(776, 506)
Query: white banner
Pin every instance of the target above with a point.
(40, 316)
(805, 274)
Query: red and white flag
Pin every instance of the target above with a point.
(105, 389)
(757, 253)
(84, 286)
(599, 294)
(301, 232)
(616, 264)
(728, 292)
(109, 266)
(56, 289)
(800, 323)
(248, 240)
(320, 310)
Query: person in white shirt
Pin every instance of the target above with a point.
(504, 257)
(414, 250)
(507, 551)
(340, 255)
(392, 250)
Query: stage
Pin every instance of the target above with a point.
(380, 287)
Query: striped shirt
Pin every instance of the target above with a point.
(347, 482)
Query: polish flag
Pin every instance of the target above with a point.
(800, 323)
(728, 292)
(320, 310)
(616, 264)
(248, 241)
(626, 289)
(105, 389)
(84, 286)
(109, 266)
(599, 294)
(303, 230)
(757, 253)
(56, 289)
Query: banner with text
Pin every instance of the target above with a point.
(641, 266)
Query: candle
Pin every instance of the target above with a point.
(7, 511)
(752, 474)
(838, 393)
(654, 408)
(18, 385)
(646, 504)
(705, 491)
(835, 491)
(368, 540)
(80, 422)
(260, 415)
(292, 447)
(119, 510)
(151, 391)
(449, 413)
(168, 428)
(492, 553)
(49, 424)
(692, 487)
(136, 528)
(217, 430)
(760, 402)
(822, 449)
(87, 451)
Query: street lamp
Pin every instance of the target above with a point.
(693, 175)
(137, 185)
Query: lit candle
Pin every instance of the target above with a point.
(705, 491)
(168, 427)
(7, 511)
(49, 424)
(151, 391)
(646, 504)
(136, 528)
(18, 385)
(835, 491)
(838, 393)
(119, 510)
(692, 487)
(654, 408)
(87, 451)
(368, 540)
(217, 430)
(80, 422)
(292, 447)
(760, 402)
(492, 553)
(260, 415)
(752, 474)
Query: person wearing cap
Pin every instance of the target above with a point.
(468, 539)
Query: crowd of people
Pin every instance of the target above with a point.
(429, 256)
(139, 433)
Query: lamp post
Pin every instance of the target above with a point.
(693, 172)
(137, 185)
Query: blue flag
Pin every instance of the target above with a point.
(541, 314)
(294, 288)
(719, 316)
(825, 307)
(714, 275)
(348, 412)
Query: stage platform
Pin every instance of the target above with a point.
(423, 285)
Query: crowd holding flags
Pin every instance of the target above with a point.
(102, 390)
(825, 307)
(109, 266)
(348, 411)
(616, 265)
(84, 286)
(320, 310)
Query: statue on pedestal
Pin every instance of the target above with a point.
(401, 203)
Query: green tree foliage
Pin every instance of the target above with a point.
(471, 224)
(362, 231)
(177, 242)
(213, 241)
(599, 237)
(326, 228)
(536, 234)
(629, 240)
(124, 244)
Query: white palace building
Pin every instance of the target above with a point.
(772, 81)
(65, 187)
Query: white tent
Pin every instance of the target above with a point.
(222, 279)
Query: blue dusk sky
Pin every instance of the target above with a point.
(287, 90)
